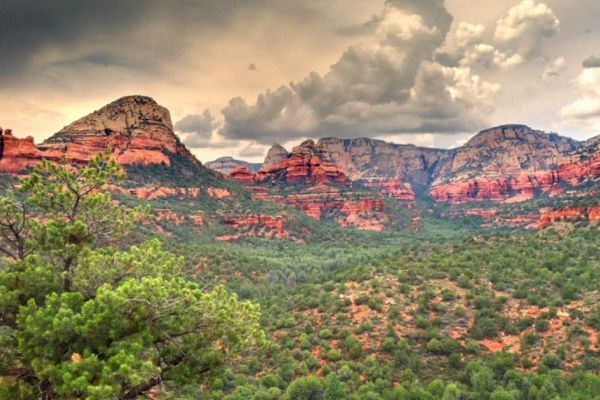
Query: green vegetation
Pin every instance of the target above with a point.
(84, 319)
(94, 308)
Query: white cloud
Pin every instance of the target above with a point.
(196, 130)
(585, 111)
(488, 56)
(389, 87)
(554, 68)
(526, 25)
(467, 34)
(516, 39)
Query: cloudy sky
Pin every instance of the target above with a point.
(239, 75)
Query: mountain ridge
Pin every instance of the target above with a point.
(342, 180)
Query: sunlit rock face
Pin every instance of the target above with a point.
(570, 214)
(134, 128)
(509, 163)
(305, 164)
(378, 163)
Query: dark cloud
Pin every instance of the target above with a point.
(135, 34)
(591, 62)
(391, 87)
(197, 129)
(30, 27)
(251, 67)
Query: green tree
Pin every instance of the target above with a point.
(85, 319)
(334, 388)
(305, 388)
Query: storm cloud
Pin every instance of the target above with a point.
(390, 86)
(236, 74)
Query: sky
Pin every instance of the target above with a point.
(240, 75)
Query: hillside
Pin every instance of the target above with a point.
(501, 174)
(366, 284)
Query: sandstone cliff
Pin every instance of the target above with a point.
(509, 163)
(368, 160)
(135, 128)
(305, 164)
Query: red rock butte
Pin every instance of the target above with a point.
(135, 128)
(305, 164)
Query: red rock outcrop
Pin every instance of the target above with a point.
(243, 175)
(268, 226)
(276, 155)
(507, 189)
(20, 154)
(219, 193)
(509, 163)
(493, 217)
(549, 216)
(573, 170)
(305, 164)
(135, 128)
(392, 188)
(322, 201)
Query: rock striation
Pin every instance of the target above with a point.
(305, 164)
(510, 163)
(574, 213)
(370, 161)
(134, 128)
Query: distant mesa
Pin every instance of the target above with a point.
(345, 179)
(226, 165)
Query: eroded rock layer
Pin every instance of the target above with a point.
(305, 164)
(135, 128)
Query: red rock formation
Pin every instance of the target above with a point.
(392, 188)
(275, 156)
(135, 128)
(256, 225)
(20, 154)
(243, 175)
(498, 189)
(304, 165)
(512, 164)
(364, 214)
(218, 193)
(549, 216)
(573, 170)
(322, 201)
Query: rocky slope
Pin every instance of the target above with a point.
(508, 163)
(306, 164)
(340, 180)
(135, 128)
(140, 135)
(374, 162)
(308, 180)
